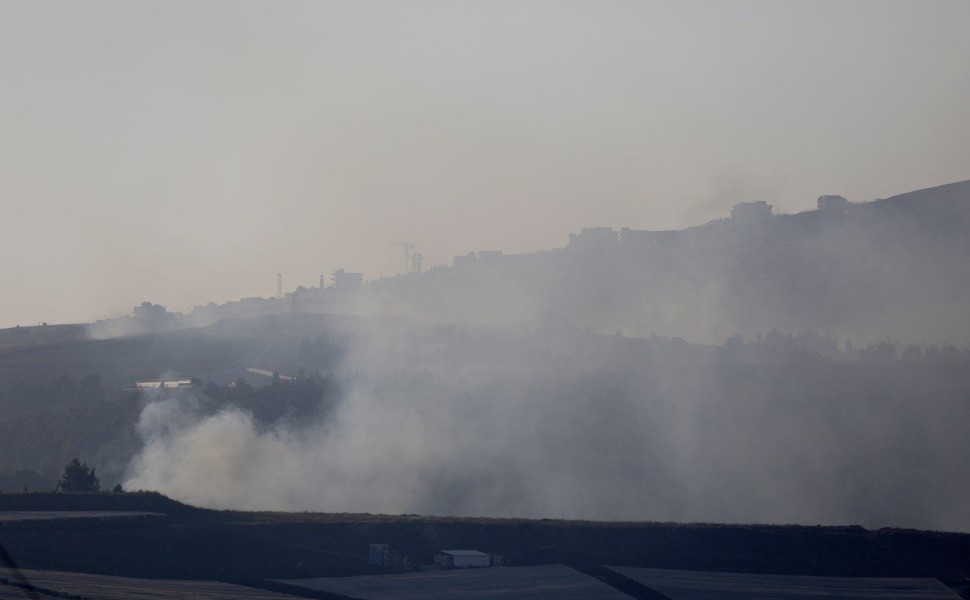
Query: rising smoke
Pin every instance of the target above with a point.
(478, 407)
(563, 424)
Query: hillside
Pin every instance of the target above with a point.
(893, 268)
(522, 391)
(613, 426)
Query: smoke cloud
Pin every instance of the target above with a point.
(458, 400)
(687, 435)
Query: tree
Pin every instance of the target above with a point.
(79, 477)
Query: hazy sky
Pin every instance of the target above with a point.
(182, 152)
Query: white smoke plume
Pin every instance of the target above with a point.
(677, 439)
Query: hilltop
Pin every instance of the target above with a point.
(890, 268)
(860, 270)
(538, 388)
(894, 268)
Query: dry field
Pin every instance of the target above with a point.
(701, 585)
(547, 582)
(104, 587)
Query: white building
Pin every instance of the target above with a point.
(176, 383)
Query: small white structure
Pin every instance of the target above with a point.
(266, 373)
(176, 383)
(461, 559)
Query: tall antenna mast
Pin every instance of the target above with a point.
(279, 286)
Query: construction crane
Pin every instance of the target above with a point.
(407, 254)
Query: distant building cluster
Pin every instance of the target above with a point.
(151, 317)
(642, 237)
(593, 239)
(162, 387)
(751, 212)
(590, 243)
(343, 281)
(154, 385)
(600, 240)
(480, 257)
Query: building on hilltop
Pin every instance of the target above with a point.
(464, 261)
(593, 239)
(832, 203)
(151, 317)
(645, 238)
(342, 280)
(751, 212)
(489, 255)
(482, 256)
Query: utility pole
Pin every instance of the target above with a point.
(407, 255)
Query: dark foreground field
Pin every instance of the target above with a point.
(191, 543)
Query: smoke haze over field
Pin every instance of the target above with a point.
(555, 423)
(187, 152)
(595, 333)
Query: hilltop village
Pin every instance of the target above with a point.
(747, 274)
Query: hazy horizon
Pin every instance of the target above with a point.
(187, 152)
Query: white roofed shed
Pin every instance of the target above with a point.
(461, 559)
